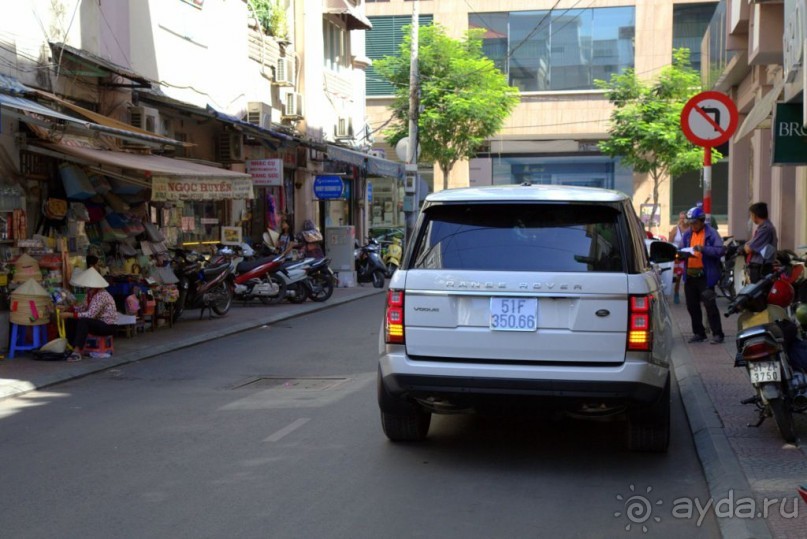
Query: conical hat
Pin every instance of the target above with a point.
(30, 288)
(26, 261)
(89, 278)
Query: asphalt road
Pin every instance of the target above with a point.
(275, 433)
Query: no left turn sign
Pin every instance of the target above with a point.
(709, 119)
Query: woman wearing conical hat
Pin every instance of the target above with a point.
(97, 316)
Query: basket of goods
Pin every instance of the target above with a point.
(31, 305)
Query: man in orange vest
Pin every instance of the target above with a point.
(705, 247)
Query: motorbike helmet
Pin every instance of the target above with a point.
(696, 213)
(801, 315)
(781, 293)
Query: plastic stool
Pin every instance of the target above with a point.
(19, 338)
(100, 344)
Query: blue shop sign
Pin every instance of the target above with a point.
(369, 192)
(329, 187)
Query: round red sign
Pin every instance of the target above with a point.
(709, 119)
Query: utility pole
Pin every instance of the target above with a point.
(411, 183)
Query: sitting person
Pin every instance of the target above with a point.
(97, 316)
(310, 240)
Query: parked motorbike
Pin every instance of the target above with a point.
(392, 256)
(733, 276)
(307, 278)
(762, 349)
(202, 286)
(259, 278)
(369, 266)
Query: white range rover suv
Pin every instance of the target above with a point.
(527, 296)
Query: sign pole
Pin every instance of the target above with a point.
(707, 182)
(708, 119)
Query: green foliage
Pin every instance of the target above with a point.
(646, 121)
(464, 99)
(271, 16)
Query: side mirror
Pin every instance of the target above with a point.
(662, 252)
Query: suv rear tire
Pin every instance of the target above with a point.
(649, 429)
(402, 421)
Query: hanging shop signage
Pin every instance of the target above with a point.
(266, 172)
(789, 135)
(328, 187)
(169, 189)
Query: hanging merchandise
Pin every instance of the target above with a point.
(116, 203)
(271, 212)
(77, 185)
(124, 188)
(78, 212)
(55, 209)
(100, 184)
(31, 305)
(153, 233)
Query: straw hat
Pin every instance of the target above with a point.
(26, 267)
(89, 278)
(30, 288)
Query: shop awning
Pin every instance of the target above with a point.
(375, 166)
(95, 66)
(355, 20)
(760, 112)
(29, 111)
(171, 179)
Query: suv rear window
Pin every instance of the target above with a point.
(520, 237)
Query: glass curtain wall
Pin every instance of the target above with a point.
(560, 49)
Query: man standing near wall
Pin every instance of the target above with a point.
(761, 250)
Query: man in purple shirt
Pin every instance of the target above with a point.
(761, 250)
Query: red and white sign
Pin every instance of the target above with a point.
(709, 119)
(266, 172)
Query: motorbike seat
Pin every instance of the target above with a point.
(249, 265)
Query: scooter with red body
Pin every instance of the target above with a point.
(259, 278)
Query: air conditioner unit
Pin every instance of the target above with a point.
(293, 106)
(284, 71)
(378, 153)
(344, 127)
(230, 147)
(145, 118)
(260, 114)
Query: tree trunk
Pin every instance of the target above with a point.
(445, 168)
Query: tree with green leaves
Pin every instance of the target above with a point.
(464, 99)
(271, 16)
(645, 126)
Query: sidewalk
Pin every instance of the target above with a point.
(23, 374)
(737, 460)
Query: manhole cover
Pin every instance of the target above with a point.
(310, 384)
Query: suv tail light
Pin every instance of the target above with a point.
(640, 332)
(394, 318)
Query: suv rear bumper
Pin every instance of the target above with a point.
(633, 382)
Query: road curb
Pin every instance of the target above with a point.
(82, 369)
(721, 467)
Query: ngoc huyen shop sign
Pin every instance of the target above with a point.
(167, 189)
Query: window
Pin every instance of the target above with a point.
(520, 237)
(559, 49)
(689, 26)
(337, 49)
(385, 40)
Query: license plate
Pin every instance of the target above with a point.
(763, 371)
(513, 314)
